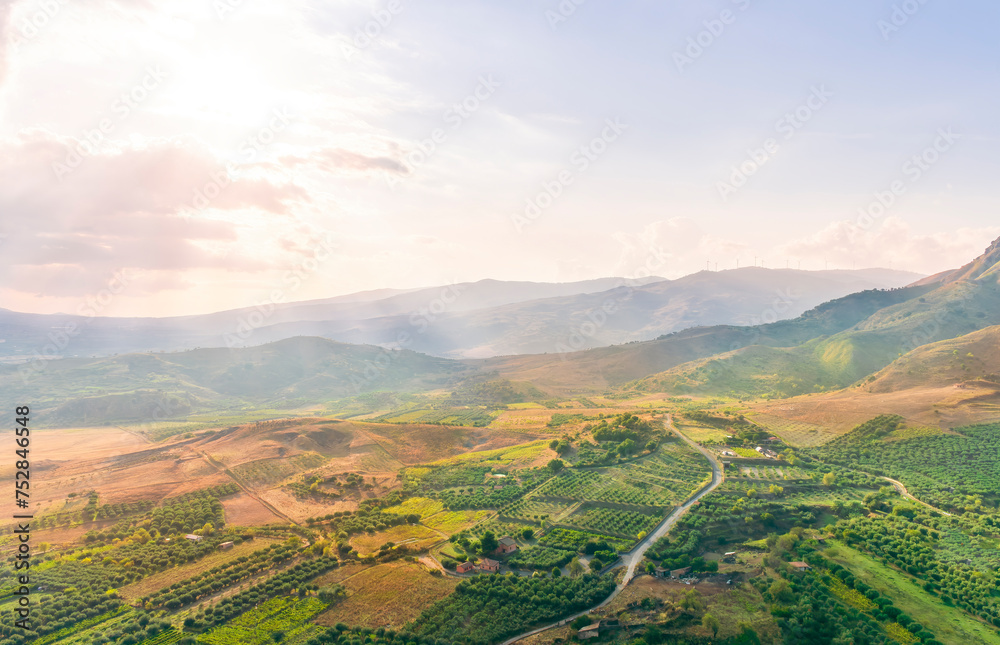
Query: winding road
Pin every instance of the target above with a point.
(632, 559)
(901, 489)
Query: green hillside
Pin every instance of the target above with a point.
(963, 302)
(151, 387)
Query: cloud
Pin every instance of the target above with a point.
(123, 207)
(339, 159)
(671, 248)
(893, 244)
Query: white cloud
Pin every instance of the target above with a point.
(892, 244)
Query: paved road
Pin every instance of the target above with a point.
(634, 557)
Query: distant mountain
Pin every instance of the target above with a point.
(23, 335)
(480, 319)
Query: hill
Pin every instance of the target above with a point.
(603, 368)
(153, 387)
(958, 303)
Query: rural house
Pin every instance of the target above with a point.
(192, 537)
(464, 567)
(489, 565)
(226, 545)
(507, 545)
(680, 573)
(590, 631)
(800, 566)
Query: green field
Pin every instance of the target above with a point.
(952, 626)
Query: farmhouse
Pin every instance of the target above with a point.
(464, 567)
(226, 545)
(489, 565)
(507, 545)
(192, 537)
(590, 631)
(800, 566)
(679, 573)
(662, 573)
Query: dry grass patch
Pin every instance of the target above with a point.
(388, 595)
(417, 537)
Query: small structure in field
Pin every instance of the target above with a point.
(590, 631)
(464, 567)
(680, 573)
(193, 537)
(507, 545)
(487, 564)
(226, 545)
(729, 557)
(800, 566)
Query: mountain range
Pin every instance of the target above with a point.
(466, 320)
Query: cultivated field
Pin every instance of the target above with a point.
(388, 595)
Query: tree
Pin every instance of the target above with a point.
(556, 465)
(691, 602)
(527, 534)
(650, 568)
(575, 568)
(781, 592)
(556, 572)
(708, 621)
(488, 543)
(829, 479)
(596, 565)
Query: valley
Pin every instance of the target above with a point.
(830, 477)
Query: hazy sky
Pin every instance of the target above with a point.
(225, 152)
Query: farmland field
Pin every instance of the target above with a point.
(387, 595)
(148, 586)
(258, 626)
(412, 536)
(620, 523)
(795, 433)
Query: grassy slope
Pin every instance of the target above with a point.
(952, 626)
(950, 311)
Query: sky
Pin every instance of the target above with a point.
(189, 157)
